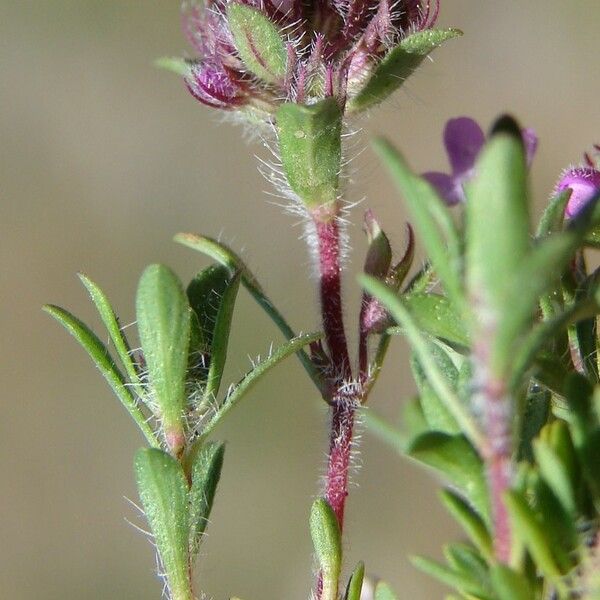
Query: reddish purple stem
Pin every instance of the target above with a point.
(343, 405)
(328, 235)
(497, 456)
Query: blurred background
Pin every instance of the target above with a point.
(102, 159)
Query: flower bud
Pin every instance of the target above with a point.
(584, 183)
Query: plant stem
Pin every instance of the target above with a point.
(328, 235)
(497, 450)
(344, 399)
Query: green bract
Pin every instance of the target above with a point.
(327, 541)
(310, 146)
(258, 42)
(399, 65)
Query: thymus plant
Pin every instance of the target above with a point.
(500, 319)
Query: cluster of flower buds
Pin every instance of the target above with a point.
(254, 55)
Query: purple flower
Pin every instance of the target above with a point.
(464, 139)
(330, 44)
(584, 183)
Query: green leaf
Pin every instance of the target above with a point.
(327, 542)
(464, 559)
(102, 359)
(109, 318)
(456, 460)
(225, 256)
(205, 293)
(529, 281)
(580, 416)
(206, 464)
(471, 522)
(422, 348)
(258, 42)
(310, 145)
(431, 219)
(437, 316)
(558, 525)
(555, 474)
(554, 215)
(163, 317)
(509, 585)
(237, 392)
(549, 329)
(449, 577)
(384, 430)
(175, 64)
(526, 528)
(532, 418)
(437, 415)
(383, 591)
(536, 276)
(398, 65)
(497, 230)
(164, 494)
(355, 584)
(220, 340)
(413, 418)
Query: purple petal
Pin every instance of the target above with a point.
(530, 141)
(449, 188)
(584, 183)
(463, 139)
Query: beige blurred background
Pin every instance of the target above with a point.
(102, 159)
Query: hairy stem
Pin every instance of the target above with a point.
(341, 397)
(496, 451)
(328, 235)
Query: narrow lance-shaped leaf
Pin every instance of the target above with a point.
(253, 376)
(385, 431)
(258, 42)
(422, 349)
(534, 275)
(311, 150)
(163, 316)
(175, 64)
(465, 559)
(327, 542)
(509, 585)
(529, 531)
(205, 293)
(456, 460)
(398, 65)
(448, 576)
(497, 229)
(164, 494)
(228, 258)
(471, 522)
(220, 340)
(102, 359)
(437, 316)
(554, 215)
(555, 474)
(383, 591)
(206, 465)
(437, 415)
(431, 219)
(355, 584)
(111, 322)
